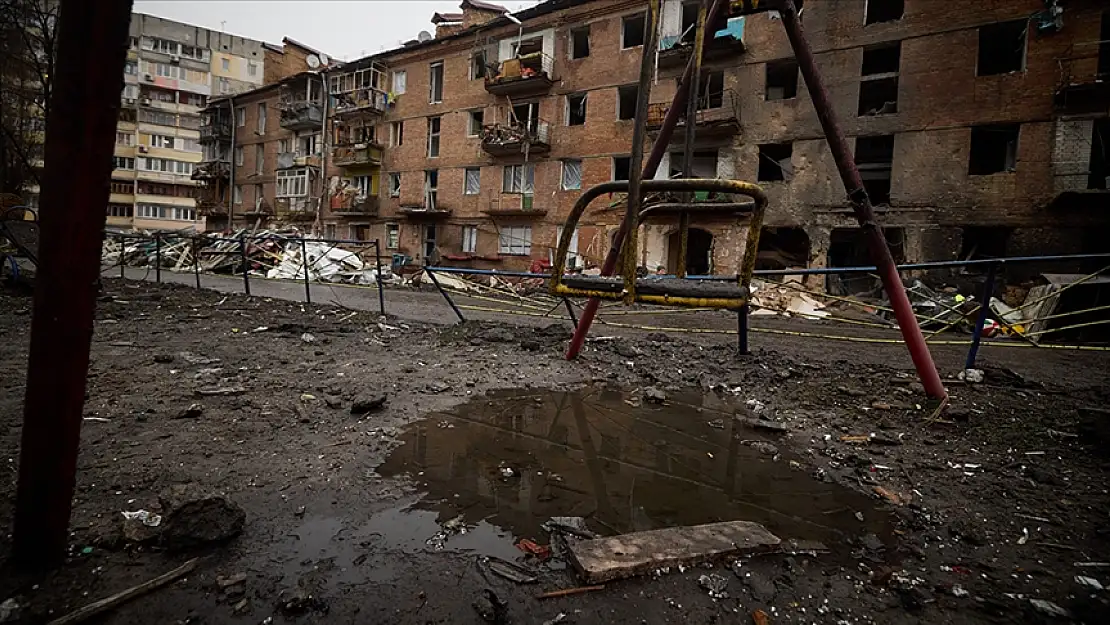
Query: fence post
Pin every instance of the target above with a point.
(304, 264)
(196, 260)
(246, 267)
(122, 249)
(984, 310)
(446, 296)
(742, 330)
(381, 284)
(570, 311)
(158, 257)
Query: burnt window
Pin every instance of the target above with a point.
(576, 109)
(884, 11)
(878, 89)
(626, 101)
(775, 162)
(632, 31)
(1002, 48)
(622, 167)
(580, 42)
(993, 149)
(712, 90)
(981, 243)
(782, 79)
(875, 160)
(689, 24)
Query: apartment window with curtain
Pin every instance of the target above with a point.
(435, 83)
(434, 124)
(400, 81)
(470, 239)
(518, 178)
(572, 175)
(261, 119)
(259, 158)
(473, 183)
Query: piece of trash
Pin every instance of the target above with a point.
(1049, 608)
(307, 397)
(9, 610)
(1092, 565)
(959, 591)
(566, 592)
(86, 551)
(971, 376)
(890, 496)
(755, 405)
(510, 571)
(715, 585)
(856, 439)
(574, 525)
(759, 617)
(1089, 582)
(763, 424)
(654, 395)
(507, 472)
(557, 619)
(223, 390)
(541, 552)
(98, 420)
(718, 424)
(147, 518)
(192, 412)
(859, 517)
(308, 338)
(1024, 536)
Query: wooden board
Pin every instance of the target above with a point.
(627, 555)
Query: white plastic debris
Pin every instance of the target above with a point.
(755, 405)
(308, 338)
(1049, 608)
(9, 610)
(146, 517)
(1089, 582)
(971, 376)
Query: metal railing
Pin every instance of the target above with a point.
(367, 99)
(535, 65)
(535, 131)
(715, 107)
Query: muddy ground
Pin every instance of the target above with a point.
(977, 514)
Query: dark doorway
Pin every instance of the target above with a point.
(782, 248)
(699, 249)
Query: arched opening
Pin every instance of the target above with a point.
(699, 247)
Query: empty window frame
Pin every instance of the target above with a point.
(240, 116)
(626, 101)
(580, 42)
(775, 162)
(883, 11)
(474, 121)
(632, 31)
(396, 134)
(689, 21)
(515, 240)
(237, 195)
(781, 80)
(878, 88)
(572, 175)
(1002, 48)
(431, 188)
(262, 118)
(576, 109)
(478, 65)
(993, 149)
(434, 124)
(392, 236)
(711, 90)
(472, 183)
(400, 81)
(875, 160)
(435, 82)
(394, 184)
(239, 156)
(622, 167)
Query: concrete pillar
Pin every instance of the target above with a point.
(819, 241)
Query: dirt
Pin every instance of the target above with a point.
(963, 515)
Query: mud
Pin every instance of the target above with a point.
(968, 515)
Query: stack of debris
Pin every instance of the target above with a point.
(326, 263)
(787, 298)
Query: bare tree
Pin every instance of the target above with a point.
(28, 50)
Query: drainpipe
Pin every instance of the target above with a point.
(861, 205)
(317, 226)
(231, 168)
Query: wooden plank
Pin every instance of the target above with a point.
(617, 557)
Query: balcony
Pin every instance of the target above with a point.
(295, 208)
(302, 115)
(285, 160)
(514, 205)
(674, 51)
(523, 76)
(215, 131)
(718, 115)
(212, 170)
(514, 138)
(356, 155)
(366, 100)
(1084, 85)
(431, 210)
(210, 207)
(350, 205)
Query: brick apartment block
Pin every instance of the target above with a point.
(980, 132)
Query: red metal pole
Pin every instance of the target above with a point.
(658, 149)
(88, 80)
(861, 205)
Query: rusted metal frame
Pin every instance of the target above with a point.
(690, 132)
(695, 207)
(635, 175)
(861, 203)
(92, 46)
(659, 148)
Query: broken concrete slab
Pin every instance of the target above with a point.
(368, 403)
(628, 555)
(195, 517)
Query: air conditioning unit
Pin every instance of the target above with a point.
(148, 78)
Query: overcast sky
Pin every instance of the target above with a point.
(345, 29)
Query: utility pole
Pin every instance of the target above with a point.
(92, 47)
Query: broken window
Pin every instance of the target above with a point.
(775, 162)
(712, 90)
(983, 243)
(473, 182)
(875, 160)
(576, 109)
(849, 247)
(433, 136)
(392, 236)
(572, 175)
(580, 42)
(782, 248)
(626, 101)
(474, 124)
(622, 167)
(515, 240)
(878, 88)
(395, 185)
(1002, 48)
(528, 114)
(632, 31)
(478, 65)
(884, 11)
(431, 188)
(396, 134)
(782, 80)
(689, 24)
(435, 83)
(993, 149)
(703, 164)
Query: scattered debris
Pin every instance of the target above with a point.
(971, 376)
(541, 552)
(99, 607)
(759, 617)
(194, 517)
(763, 424)
(1089, 582)
(145, 517)
(558, 618)
(894, 498)
(308, 338)
(715, 585)
(510, 571)
(1048, 608)
(223, 390)
(654, 395)
(368, 403)
(448, 529)
(301, 602)
(192, 412)
(566, 592)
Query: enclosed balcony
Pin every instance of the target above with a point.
(523, 76)
(356, 155)
(514, 205)
(301, 102)
(517, 137)
(352, 205)
(718, 115)
(360, 91)
(214, 130)
(212, 170)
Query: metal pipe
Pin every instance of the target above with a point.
(196, 260)
(246, 265)
(304, 264)
(742, 330)
(381, 284)
(158, 257)
(984, 309)
(658, 149)
(323, 149)
(445, 294)
(861, 204)
(688, 139)
(231, 166)
(570, 311)
(85, 104)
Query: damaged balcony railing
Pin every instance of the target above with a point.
(717, 111)
(356, 154)
(295, 208)
(367, 99)
(530, 136)
(514, 204)
(529, 74)
(212, 170)
(215, 130)
(348, 203)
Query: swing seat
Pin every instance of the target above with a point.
(672, 291)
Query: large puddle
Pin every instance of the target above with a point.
(512, 460)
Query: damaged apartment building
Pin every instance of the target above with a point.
(980, 132)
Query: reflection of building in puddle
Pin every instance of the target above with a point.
(624, 467)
